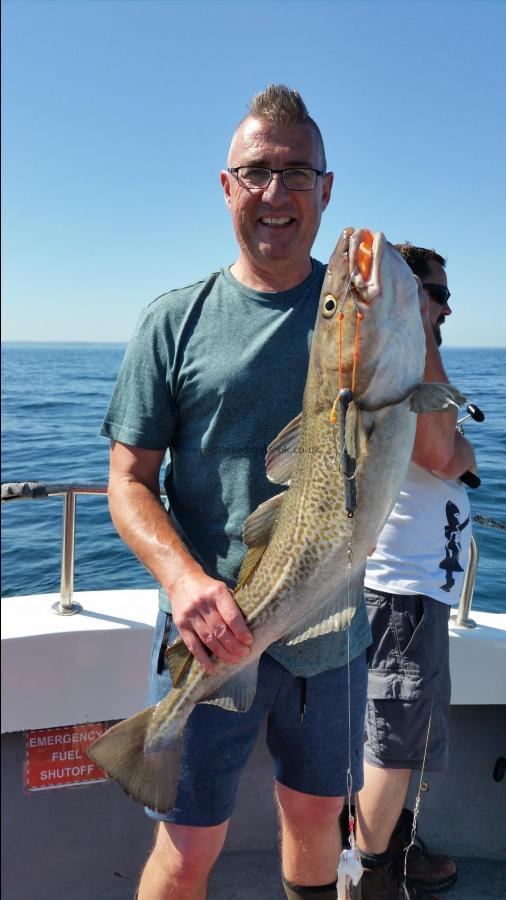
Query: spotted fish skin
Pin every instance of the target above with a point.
(303, 573)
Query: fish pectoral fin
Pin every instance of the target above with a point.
(238, 692)
(148, 776)
(435, 397)
(258, 527)
(179, 660)
(350, 430)
(334, 615)
(280, 457)
(357, 431)
(364, 430)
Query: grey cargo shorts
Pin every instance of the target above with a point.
(409, 681)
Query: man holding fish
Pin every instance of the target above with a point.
(213, 373)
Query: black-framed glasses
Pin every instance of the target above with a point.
(438, 292)
(296, 178)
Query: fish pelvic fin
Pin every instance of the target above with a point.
(259, 526)
(334, 615)
(148, 776)
(436, 397)
(280, 457)
(249, 564)
(257, 531)
(179, 660)
(238, 692)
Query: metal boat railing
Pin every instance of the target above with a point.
(65, 606)
(36, 490)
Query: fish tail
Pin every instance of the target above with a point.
(149, 776)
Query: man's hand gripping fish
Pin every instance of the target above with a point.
(343, 459)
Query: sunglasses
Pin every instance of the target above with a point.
(438, 292)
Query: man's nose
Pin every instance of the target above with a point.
(276, 186)
(447, 310)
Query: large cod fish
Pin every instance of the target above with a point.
(344, 459)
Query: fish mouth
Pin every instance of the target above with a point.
(364, 258)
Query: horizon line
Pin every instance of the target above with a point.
(18, 341)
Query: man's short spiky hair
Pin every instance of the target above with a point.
(284, 105)
(419, 258)
(279, 103)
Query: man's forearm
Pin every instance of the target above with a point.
(434, 445)
(144, 525)
(204, 610)
(462, 460)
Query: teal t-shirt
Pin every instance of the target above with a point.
(213, 373)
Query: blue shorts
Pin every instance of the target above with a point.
(310, 756)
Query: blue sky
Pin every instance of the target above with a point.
(117, 117)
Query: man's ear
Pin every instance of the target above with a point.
(225, 179)
(327, 188)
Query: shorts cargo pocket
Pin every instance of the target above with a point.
(407, 623)
(165, 634)
(405, 658)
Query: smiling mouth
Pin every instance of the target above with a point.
(276, 222)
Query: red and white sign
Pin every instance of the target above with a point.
(57, 757)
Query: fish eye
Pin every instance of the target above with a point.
(329, 306)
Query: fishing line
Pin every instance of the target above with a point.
(349, 870)
(360, 316)
(490, 523)
(350, 867)
(416, 809)
(349, 777)
(346, 292)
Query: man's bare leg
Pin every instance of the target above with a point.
(180, 862)
(380, 803)
(310, 837)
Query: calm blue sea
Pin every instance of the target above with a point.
(54, 397)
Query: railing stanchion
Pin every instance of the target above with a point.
(462, 620)
(64, 606)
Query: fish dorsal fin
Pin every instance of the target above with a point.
(258, 527)
(179, 660)
(334, 615)
(435, 397)
(238, 692)
(280, 457)
(249, 564)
